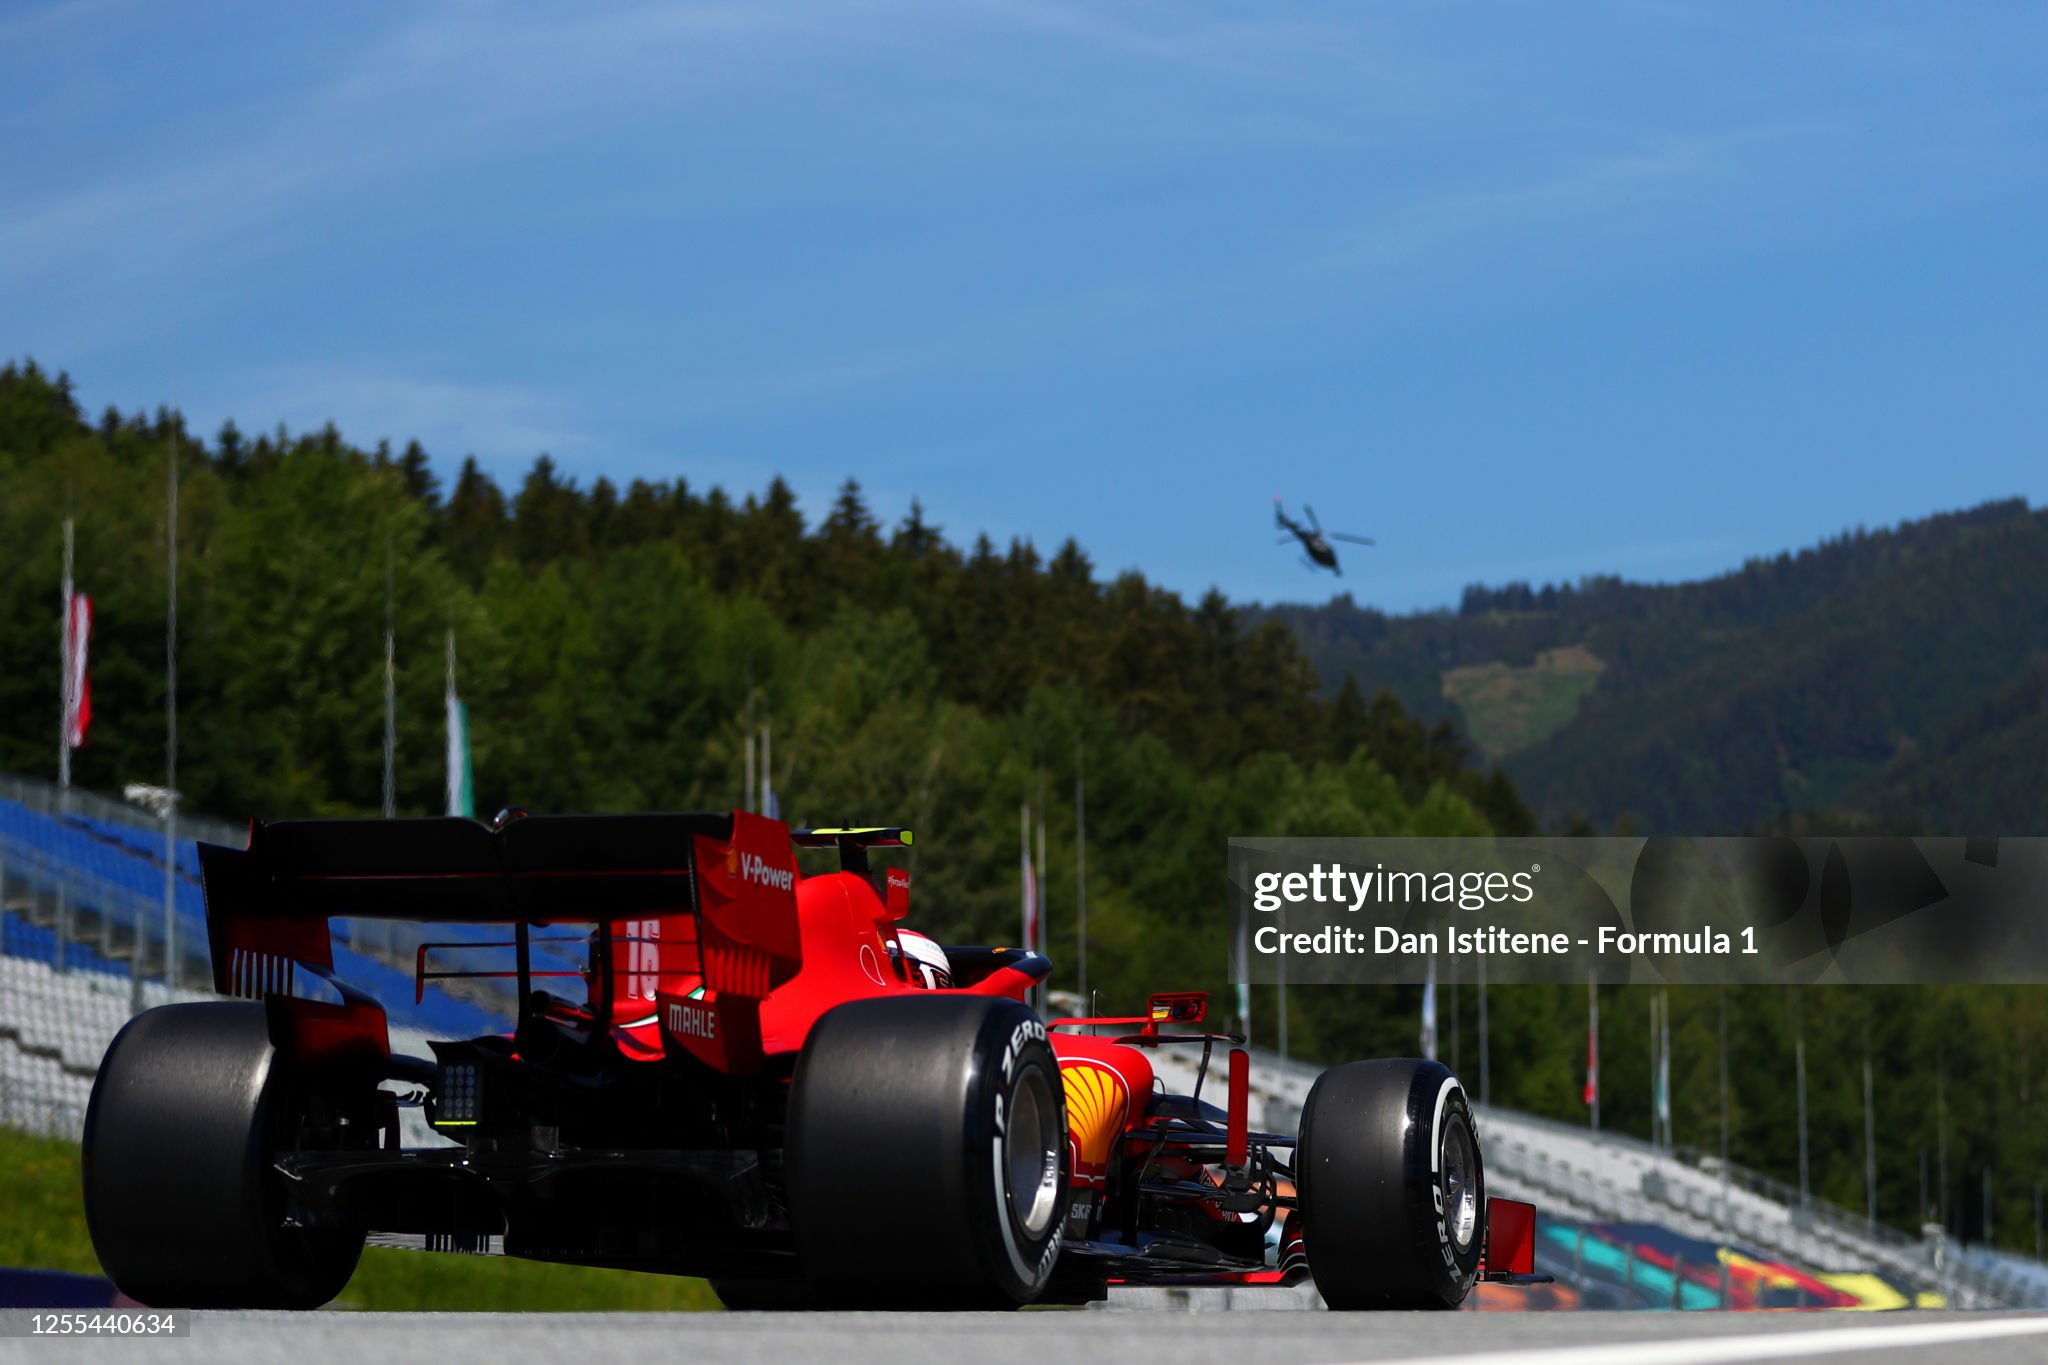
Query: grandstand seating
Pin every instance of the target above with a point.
(63, 995)
(55, 1027)
(117, 883)
(21, 938)
(145, 844)
(114, 875)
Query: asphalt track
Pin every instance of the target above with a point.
(1058, 1338)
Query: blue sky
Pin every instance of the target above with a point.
(1523, 290)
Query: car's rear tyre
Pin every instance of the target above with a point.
(927, 1159)
(184, 1210)
(1393, 1196)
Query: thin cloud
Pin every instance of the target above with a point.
(504, 425)
(452, 85)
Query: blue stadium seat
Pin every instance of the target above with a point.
(131, 860)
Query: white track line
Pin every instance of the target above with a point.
(1774, 1346)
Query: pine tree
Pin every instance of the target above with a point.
(550, 520)
(419, 475)
(474, 524)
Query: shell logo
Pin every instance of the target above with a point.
(1097, 1100)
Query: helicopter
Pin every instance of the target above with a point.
(1315, 541)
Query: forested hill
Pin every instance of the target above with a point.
(1895, 677)
(606, 639)
(607, 636)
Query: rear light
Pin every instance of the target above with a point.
(458, 1101)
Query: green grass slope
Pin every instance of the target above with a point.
(1508, 709)
(42, 1226)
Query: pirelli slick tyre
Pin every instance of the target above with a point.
(927, 1154)
(1393, 1197)
(182, 1205)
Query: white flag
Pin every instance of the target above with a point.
(1429, 1012)
(461, 790)
(1664, 1074)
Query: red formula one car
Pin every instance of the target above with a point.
(753, 1080)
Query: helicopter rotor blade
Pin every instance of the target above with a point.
(1311, 512)
(1355, 540)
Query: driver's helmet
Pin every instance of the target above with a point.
(923, 962)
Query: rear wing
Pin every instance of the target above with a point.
(731, 877)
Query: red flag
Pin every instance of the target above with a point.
(77, 681)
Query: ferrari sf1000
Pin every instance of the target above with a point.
(746, 1074)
